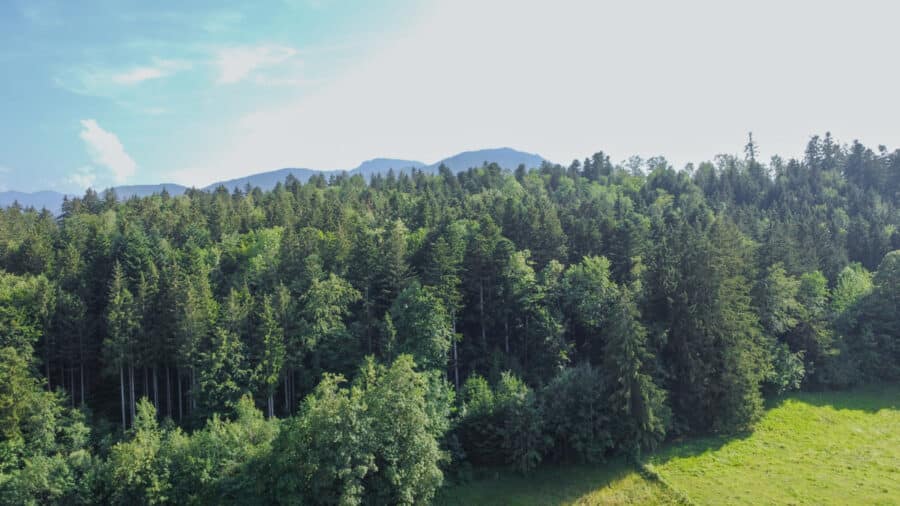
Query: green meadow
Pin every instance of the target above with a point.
(810, 448)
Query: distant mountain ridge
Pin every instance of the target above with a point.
(506, 158)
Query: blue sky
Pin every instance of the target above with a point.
(130, 92)
(97, 93)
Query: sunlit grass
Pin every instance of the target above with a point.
(810, 448)
(823, 448)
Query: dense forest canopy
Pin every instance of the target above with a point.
(351, 341)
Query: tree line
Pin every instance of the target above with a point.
(361, 341)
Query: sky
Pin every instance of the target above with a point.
(110, 92)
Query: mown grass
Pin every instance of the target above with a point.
(810, 448)
(614, 483)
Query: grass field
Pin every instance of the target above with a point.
(810, 448)
(613, 483)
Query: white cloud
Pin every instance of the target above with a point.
(236, 63)
(138, 75)
(83, 178)
(106, 150)
(567, 78)
(159, 69)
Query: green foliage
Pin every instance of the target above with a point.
(375, 442)
(222, 374)
(638, 407)
(684, 297)
(577, 415)
(224, 462)
(25, 307)
(503, 425)
(16, 390)
(137, 471)
(422, 325)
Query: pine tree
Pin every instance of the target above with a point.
(122, 326)
(444, 274)
(271, 360)
(641, 414)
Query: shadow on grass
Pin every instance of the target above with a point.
(870, 398)
(549, 484)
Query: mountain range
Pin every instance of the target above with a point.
(506, 158)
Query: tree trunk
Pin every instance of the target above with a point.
(168, 393)
(293, 389)
(131, 381)
(368, 321)
(287, 399)
(122, 391)
(146, 391)
(178, 373)
(47, 366)
(81, 374)
(81, 363)
(506, 329)
(72, 386)
(193, 391)
(481, 311)
(155, 390)
(271, 404)
(455, 353)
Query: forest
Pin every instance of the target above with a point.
(367, 341)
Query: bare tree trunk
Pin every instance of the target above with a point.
(506, 329)
(155, 390)
(168, 393)
(47, 365)
(131, 381)
(146, 391)
(180, 398)
(81, 373)
(72, 386)
(193, 391)
(81, 363)
(481, 312)
(455, 353)
(122, 390)
(287, 401)
(271, 404)
(368, 319)
(293, 389)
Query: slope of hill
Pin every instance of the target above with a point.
(382, 165)
(267, 180)
(145, 190)
(507, 158)
(39, 200)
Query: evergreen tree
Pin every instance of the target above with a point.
(640, 413)
(122, 326)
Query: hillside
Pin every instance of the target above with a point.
(506, 158)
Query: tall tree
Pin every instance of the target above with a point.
(122, 326)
